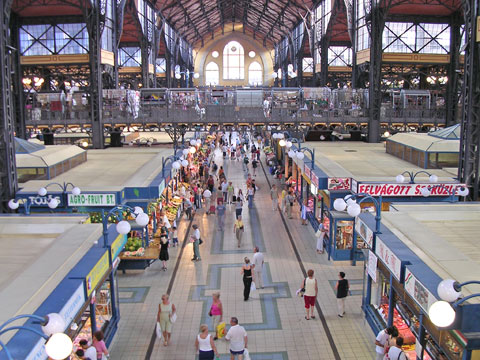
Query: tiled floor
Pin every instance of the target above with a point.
(274, 317)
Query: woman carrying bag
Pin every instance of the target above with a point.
(166, 317)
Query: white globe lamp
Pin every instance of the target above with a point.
(441, 314)
(53, 203)
(55, 324)
(354, 210)
(288, 144)
(178, 76)
(193, 150)
(142, 219)
(123, 227)
(176, 165)
(463, 191)
(193, 142)
(446, 290)
(12, 204)
(433, 178)
(300, 155)
(281, 136)
(275, 136)
(400, 179)
(207, 193)
(59, 346)
(42, 191)
(339, 204)
(76, 191)
(198, 142)
(185, 152)
(348, 199)
(282, 143)
(425, 191)
(196, 75)
(291, 153)
(137, 210)
(184, 163)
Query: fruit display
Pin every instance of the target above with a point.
(133, 244)
(171, 209)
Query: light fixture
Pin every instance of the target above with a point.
(425, 191)
(322, 137)
(55, 324)
(441, 313)
(12, 204)
(123, 227)
(354, 209)
(447, 291)
(433, 178)
(59, 346)
(178, 76)
(193, 150)
(53, 203)
(274, 75)
(400, 179)
(196, 75)
(42, 191)
(84, 144)
(463, 191)
(291, 153)
(142, 219)
(184, 163)
(288, 144)
(275, 136)
(137, 210)
(215, 54)
(339, 205)
(251, 54)
(193, 142)
(386, 134)
(199, 142)
(280, 136)
(282, 143)
(76, 191)
(185, 152)
(176, 165)
(300, 155)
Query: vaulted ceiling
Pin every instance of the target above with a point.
(266, 20)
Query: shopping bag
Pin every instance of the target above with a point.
(173, 318)
(221, 330)
(212, 209)
(253, 287)
(158, 330)
(246, 354)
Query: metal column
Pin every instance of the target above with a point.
(8, 171)
(118, 30)
(468, 169)
(19, 98)
(95, 28)
(453, 67)
(323, 61)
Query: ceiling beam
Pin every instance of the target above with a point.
(275, 23)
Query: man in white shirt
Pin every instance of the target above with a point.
(196, 243)
(90, 351)
(396, 352)
(224, 190)
(381, 340)
(238, 339)
(257, 261)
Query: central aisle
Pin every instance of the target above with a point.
(273, 317)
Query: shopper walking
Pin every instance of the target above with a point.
(382, 339)
(284, 200)
(254, 166)
(258, 261)
(166, 311)
(230, 191)
(205, 345)
(221, 209)
(216, 312)
(311, 291)
(250, 194)
(247, 278)
(245, 163)
(303, 212)
(238, 339)
(164, 244)
(196, 243)
(211, 183)
(320, 234)
(342, 288)
(289, 204)
(207, 194)
(224, 188)
(99, 344)
(238, 229)
(188, 208)
(274, 197)
(239, 204)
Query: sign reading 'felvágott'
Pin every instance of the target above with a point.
(92, 200)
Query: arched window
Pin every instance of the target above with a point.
(255, 74)
(233, 61)
(212, 74)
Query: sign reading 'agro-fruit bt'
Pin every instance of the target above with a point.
(408, 189)
(92, 200)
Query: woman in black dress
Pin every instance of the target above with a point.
(247, 278)
(164, 244)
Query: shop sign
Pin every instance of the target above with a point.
(313, 189)
(314, 179)
(92, 200)
(42, 201)
(364, 232)
(392, 262)
(117, 245)
(372, 265)
(161, 187)
(68, 312)
(393, 189)
(97, 273)
(339, 184)
(354, 186)
(418, 292)
(308, 172)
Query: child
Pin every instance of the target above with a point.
(175, 236)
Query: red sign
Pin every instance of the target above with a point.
(408, 189)
(308, 172)
(339, 184)
(314, 179)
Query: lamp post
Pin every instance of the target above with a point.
(58, 345)
(52, 203)
(401, 178)
(300, 155)
(452, 191)
(442, 313)
(123, 226)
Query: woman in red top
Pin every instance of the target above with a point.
(99, 344)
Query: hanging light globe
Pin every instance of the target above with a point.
(123, 227)
(142, 219)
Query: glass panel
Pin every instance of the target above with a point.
(433, 38)
(233, 61)
(212, 74)
(307, 64)
(161, 65)
(255, 74)
(37, 40)
(339, 56)
(399, 37)
(130, 56)
(71, 39)
(344, 235)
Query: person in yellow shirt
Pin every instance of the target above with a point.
(283, 199)
(238, 229)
